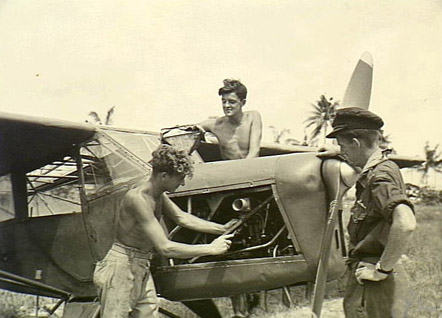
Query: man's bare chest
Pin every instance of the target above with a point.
(228, 133)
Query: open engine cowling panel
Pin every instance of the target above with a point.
(261, 232)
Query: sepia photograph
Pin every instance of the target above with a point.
(220, 159)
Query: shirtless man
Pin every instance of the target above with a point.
(239, 137)
(238, 133)
(123, 278)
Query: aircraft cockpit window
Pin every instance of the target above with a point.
(116, 158)
(6, 199)
(140, 145)
(53, 189)
(95, 170)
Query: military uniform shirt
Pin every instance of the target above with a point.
(379, 189)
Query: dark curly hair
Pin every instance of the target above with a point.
(171, 160)
(233, 86)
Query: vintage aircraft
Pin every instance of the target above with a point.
(61, 184)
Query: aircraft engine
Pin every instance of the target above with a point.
(281, 203)
(260, 232)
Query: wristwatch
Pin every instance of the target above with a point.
(380, 270)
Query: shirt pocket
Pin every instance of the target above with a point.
(359, 214)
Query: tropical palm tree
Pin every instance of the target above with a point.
(97, 120)
(283, 136)
(433, 161)
(321, 117)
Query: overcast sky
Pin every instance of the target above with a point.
(161, 62)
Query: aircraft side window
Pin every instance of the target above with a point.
(6, 198)
(53, 189)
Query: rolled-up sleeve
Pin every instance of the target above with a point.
(387, 194)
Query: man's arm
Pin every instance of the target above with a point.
(403, 225)
(207, 125)
(190, 221)
(328, 151)
(255, 135)
(153, 231)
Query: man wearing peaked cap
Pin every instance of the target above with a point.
(354, 118)
(381, 222)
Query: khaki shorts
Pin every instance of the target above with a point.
(125, 285)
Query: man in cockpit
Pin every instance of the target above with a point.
(238, 133)
(239, 136)
(123, 278)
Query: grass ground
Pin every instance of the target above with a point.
(423, 263)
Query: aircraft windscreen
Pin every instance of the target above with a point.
(139, 144)
(115, 158)
(118, 157)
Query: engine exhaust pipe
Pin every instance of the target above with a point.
(241, 205)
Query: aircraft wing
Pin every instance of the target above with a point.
(210, 151)
(27, 143)
(406, 161)
(271, 148)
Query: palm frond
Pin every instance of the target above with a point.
(312, 119)
(318, 109)
(95, 117)
(110, 113)
(310, 124)
(315, 132)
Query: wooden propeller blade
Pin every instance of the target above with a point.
(358, 91)
(338, 178)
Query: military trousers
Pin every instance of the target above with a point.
(125, 285)
(383, 299)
